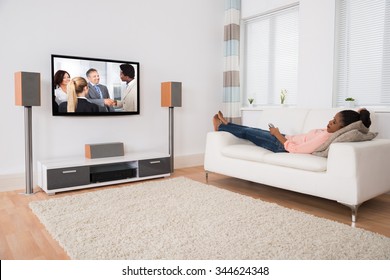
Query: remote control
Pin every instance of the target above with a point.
(270, 125)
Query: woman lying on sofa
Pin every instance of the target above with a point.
(277, 142)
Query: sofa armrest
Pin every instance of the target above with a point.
(216, 141)
(223, 139)
(367, 163)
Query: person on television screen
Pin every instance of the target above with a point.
(61, 80)
(77, 91)
(98, 93)
(129, 95)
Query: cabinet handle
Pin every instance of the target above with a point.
(155, 162)
(69, 171)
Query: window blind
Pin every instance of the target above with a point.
(363, 52)
(271, 57)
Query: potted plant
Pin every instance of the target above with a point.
(283, 95)
(251, 100)
(350, 102)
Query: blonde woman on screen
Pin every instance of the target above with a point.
(77, 90)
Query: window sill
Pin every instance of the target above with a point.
(376, 109)
(262, 107)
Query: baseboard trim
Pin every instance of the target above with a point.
(12, 182)
(189, 161)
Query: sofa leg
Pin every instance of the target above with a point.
(207, 176)
(354, 209)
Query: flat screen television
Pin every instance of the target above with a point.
(113, 86)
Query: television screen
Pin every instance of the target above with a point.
(93, 86)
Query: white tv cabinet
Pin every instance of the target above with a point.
(79, 173)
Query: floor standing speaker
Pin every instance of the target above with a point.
(28, 94)
(27, 89)
(171, 97)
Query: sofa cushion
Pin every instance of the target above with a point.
(297, 161)
(249, 152)
(254, 153)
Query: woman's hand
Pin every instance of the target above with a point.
(274, 131)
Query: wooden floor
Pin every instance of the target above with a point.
(23, 237)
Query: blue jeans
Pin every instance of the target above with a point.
(259, 137)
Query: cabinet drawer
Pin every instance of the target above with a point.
(67, 177)
(154, 166)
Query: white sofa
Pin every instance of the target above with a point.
(352, 173)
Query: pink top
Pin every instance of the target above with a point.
(306, 143)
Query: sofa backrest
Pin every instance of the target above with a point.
(318, 118)
(288, 120)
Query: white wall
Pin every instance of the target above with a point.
(251, 8)
(174, 40)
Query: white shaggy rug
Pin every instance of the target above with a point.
(183, 219)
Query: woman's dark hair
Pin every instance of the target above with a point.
(350, 116)
(58, 77)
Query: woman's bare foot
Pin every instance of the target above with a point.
(221, 118)
(216, 122)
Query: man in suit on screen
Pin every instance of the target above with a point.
(98, 93)
(129, 95)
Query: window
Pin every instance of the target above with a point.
(271, 57)
(363, 52)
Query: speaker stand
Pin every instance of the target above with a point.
(171, 136)
(28, 149)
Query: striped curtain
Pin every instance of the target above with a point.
(231, 74)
